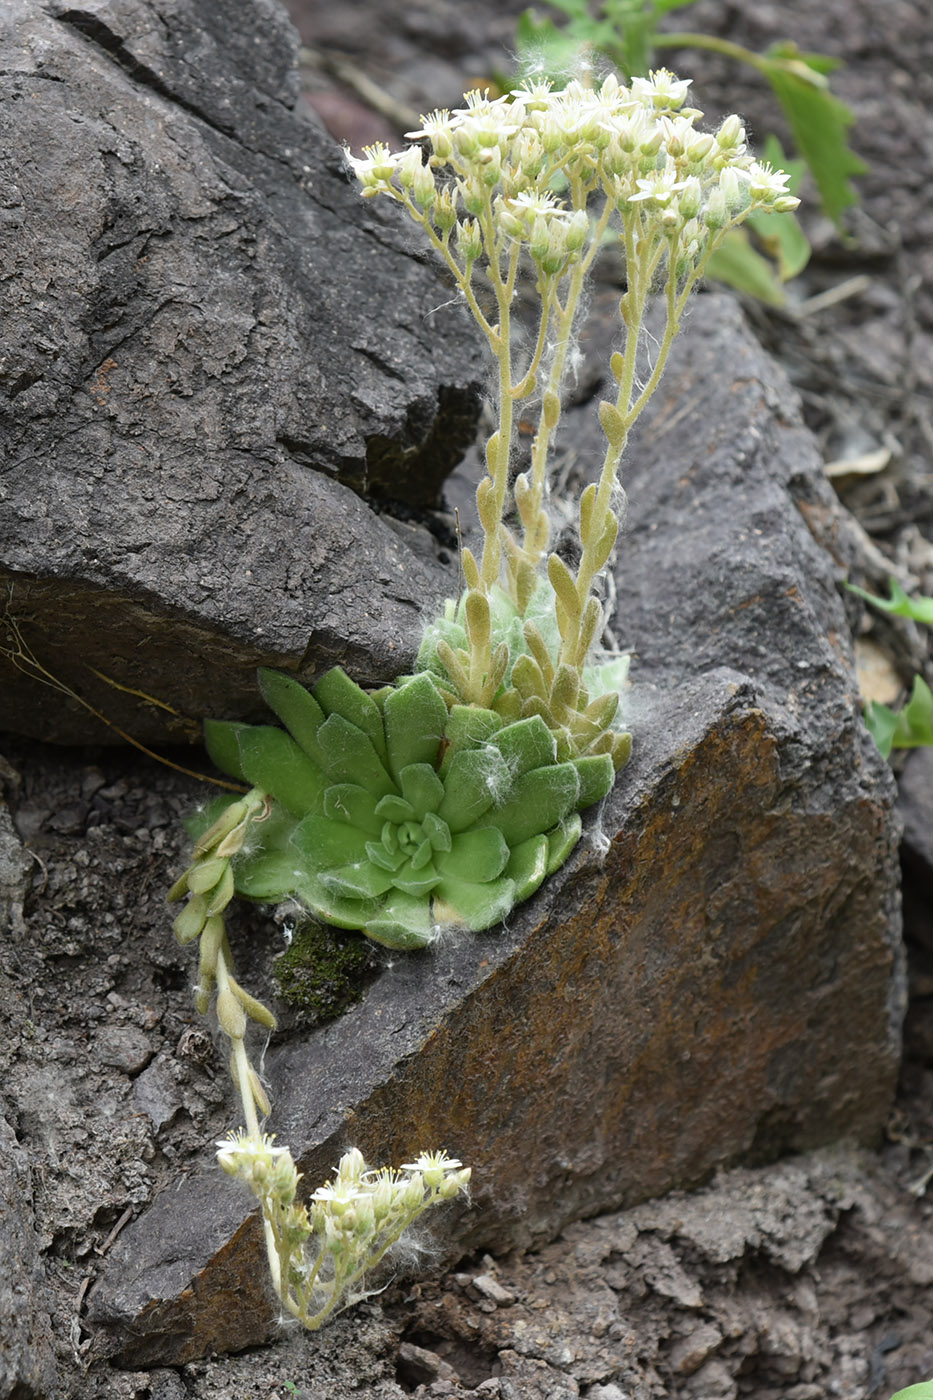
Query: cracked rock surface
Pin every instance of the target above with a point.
(212, 350)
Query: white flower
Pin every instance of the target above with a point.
(438, 128)
(432, 1167)
(766, 184)
(660, 187)
(661, 90)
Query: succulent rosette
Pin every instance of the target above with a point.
(394, 815)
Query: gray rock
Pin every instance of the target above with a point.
(714, 976)
(211, 345)
(27, 1367)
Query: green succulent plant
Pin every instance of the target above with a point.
(392, 814)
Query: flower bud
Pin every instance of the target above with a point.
(716, 213)
(731, 134)
(577, 230)
(699, 149)
(445, 211)
(469, 240)
(423, 187)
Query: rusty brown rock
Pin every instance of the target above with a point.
(715, 976)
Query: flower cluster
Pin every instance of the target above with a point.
(353, 1221)
(541, 177)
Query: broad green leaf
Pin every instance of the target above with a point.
(561, 841)
(361, 880)
(528, 866)
(525, 745)
(479, 855)
(922, 1391)
(403, 921)
(477, 906)
(330, 907)
(597, 775)
(899, 603)
(295, 707)
(474, 780)
(271, 760)
(222, 741)
(819, 122)
(538, 801)
(736, 263)
(322, 844)
(415, 718)
(468, 727)
(267, 875)
(416, 879)
(347, 756)
(422, 788)
(350, 803)
(337, 694)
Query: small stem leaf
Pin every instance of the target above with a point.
(231, 1015)
(224, 892)
(587, 502)
(229, 819)
(204, 876)
(613, 424)
(550, 410)
(492, 451)
(470, 569)
(591, 626)
(527, 678)
(538, 648)
(487, 506)
(253, 1008)
(476, 612)
(564, 585)
(190, 921)
(607, 542)
(455, 669)
(565, 690)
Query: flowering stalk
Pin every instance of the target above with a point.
(509, 181)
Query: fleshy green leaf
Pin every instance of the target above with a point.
(526, 745)
(416, 880)
(597, 775)
(222, 741)
(415, 716)
(475, 778)
(561, 841)
(271, 760)
(362, 880)
(477, 856)
(331, 907)
(323, 844)
(528, 865)
(404, 921)
(538, 801)
(347, 756)
(477, 906)
(922, 1391)
(337, 694)
(468, 726)
(350, 803)
(422, 788)
(295, 707)
(268, 875)
(393, 808)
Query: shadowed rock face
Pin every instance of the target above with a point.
(212, 348)
(713, 977)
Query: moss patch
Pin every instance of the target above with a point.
(325, 971)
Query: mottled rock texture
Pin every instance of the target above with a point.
(27, 1366)
(210, 349)
(713, 977)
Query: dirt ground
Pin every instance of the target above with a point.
(807, 1279)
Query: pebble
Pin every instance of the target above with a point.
(492, 1289)
(124, 1048)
